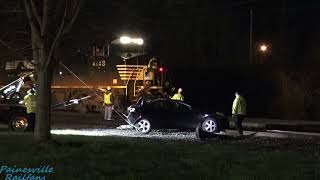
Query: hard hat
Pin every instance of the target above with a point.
(108, 88)
(179, 90)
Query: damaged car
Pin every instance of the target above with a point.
(146, 115)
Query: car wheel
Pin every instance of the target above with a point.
(19, 122)
(210, 125)
(143, 126)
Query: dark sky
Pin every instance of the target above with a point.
(206, 32)
(191, 32)
(204, 44)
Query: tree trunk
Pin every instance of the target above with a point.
(43, 116)
(45, 37)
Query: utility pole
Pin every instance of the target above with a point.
(250, 38)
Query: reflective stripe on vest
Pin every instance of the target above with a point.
(30, 102)
(107, 98)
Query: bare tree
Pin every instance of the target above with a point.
(49, 21)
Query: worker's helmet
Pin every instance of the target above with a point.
(180, 90)
(108, 88)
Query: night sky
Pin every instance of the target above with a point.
(202, 33)
(205, 46)
(191, 33)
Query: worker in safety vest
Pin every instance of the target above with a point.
(239, 111)
(107, 103)
(30, 103)
(178, 96)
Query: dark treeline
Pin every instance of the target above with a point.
(282, 91)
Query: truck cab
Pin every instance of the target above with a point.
(12, 109)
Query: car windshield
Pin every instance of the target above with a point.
(142, 101)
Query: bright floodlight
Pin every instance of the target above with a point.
(139, 41)
(263, 48)
(125, 40)
(129, 40)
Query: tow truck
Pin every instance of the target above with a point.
(12, 110)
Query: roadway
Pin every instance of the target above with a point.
(92, 124)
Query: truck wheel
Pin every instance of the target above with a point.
(19, 122)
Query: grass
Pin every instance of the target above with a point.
(79, 157)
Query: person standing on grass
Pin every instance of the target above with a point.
(30, 103)
(239, 111)
(107, 103)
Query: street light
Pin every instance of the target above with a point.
(263, 48)
(264, 52)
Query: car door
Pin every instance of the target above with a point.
(157, 112)
(3, 112)
(182, 116)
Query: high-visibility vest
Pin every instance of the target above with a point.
(239, 106)
(30, 103)
(107, 98)
(177, 96)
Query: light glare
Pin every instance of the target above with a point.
(263, 48)
(129, 40)
(125, 40)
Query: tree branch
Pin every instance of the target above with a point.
(15, 51)
(76, 9)
(52, 48)
(45, 17)
(29, 15)
(35, 12)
